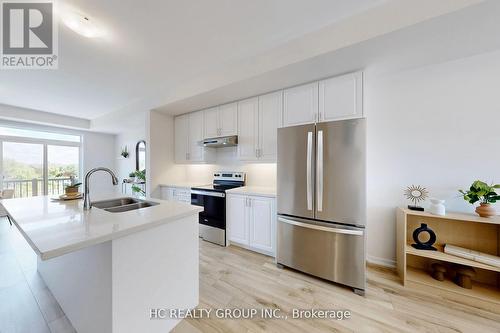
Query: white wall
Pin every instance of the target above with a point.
(124, 166)
(160, 153)
(436, 126)
(99, 151)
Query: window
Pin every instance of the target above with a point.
(38, 162)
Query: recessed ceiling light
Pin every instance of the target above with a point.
(82, 25)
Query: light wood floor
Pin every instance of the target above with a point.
(236, 278)
(26, 304)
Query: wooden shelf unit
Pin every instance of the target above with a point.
(465, 230)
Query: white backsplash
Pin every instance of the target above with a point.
(258, 174)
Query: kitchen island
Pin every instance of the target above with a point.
(108, 270)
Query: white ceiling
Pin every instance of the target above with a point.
(155, 45)
(448, 37)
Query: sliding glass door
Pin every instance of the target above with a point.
(38, 163)
(63, 166)
(23, 168)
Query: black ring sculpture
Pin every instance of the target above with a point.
(424, 245)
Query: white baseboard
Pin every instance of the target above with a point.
(381, 261)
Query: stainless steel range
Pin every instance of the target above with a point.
(213, 199)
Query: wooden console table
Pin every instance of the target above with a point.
(465, 230)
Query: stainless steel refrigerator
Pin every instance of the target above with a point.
(322, 200)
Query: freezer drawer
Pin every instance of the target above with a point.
(329, 251)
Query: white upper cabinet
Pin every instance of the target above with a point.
(248, 129)
(332, 99)
(270, 113)
(221, 121)
(211, 123)
(196, 150)
(188, 129)
(181, 130)
(228, 119)
(300, 105)
(341, 97)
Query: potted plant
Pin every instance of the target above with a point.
(141, 178)
(485, 194)
(124, 152)
(131, 177)
(72, 190)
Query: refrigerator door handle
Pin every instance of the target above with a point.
(322, 228)
(309, 171)
(319, 173)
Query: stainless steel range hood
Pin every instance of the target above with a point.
(225, 141)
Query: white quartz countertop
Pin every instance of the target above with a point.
(56, 228)
(254, 190)
(183, 184)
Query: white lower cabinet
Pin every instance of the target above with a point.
(251, 222)
(176, 194)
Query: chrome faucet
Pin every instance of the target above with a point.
(86, 200)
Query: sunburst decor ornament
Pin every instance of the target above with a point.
(416, 194)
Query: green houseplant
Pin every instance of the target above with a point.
(124, 152)
(141, 177)
(485, 194)
(131, 177)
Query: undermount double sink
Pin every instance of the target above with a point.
(123, 204)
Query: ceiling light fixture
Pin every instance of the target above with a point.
(82, 25)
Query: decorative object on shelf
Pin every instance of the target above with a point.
(416, 194)
(424, 245)
(438, 271)
(437, 207)
(131, 177)
(141, 178)
(484, 258)
(72, 190)
(485, 194)
(124, 152)
(464, 276)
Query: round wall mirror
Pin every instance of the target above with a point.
(140, 155)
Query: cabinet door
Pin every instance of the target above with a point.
(300, 105)
(167, 193)
(228, 119)
(248, 129)
(270, 109)
(341, 97)
(211, 123)
(237, 218)
(262, 224)
(195, 136)
(181, 138)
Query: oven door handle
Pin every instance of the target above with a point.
(208, 193)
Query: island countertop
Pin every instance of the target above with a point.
(54, 228)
